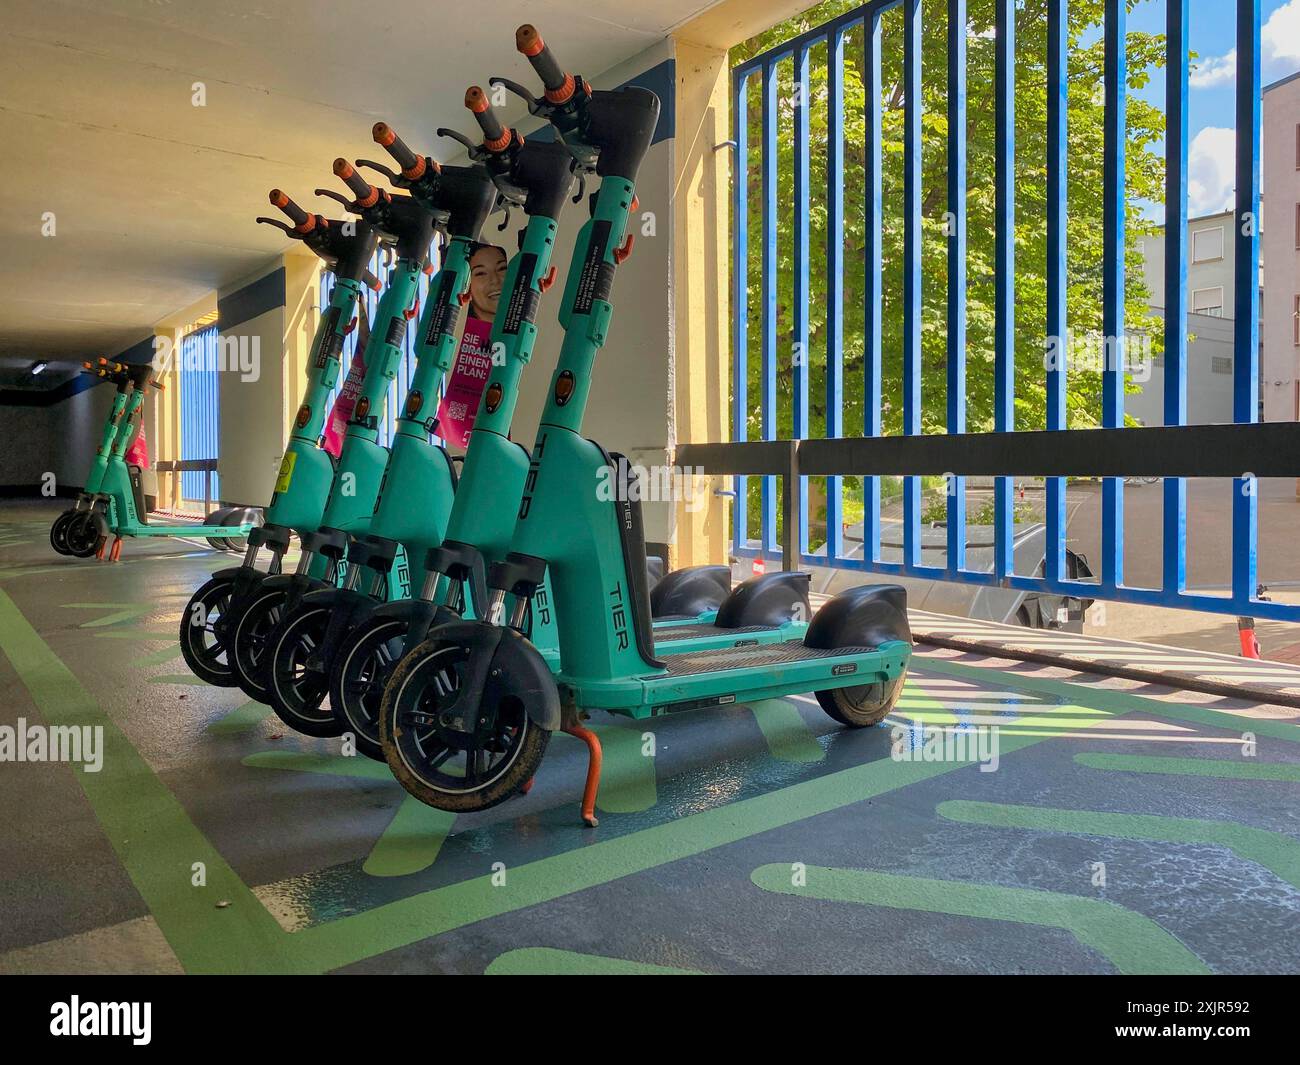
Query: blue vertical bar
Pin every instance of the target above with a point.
(1057, 319)
(1004, 368)
(799, 356)
(768, 347)
(1115, 76)
(956, 486)
(834, 276)
(1245, 371)
(1175, 488)
(740, 294)
(872, 287)
(912, 106)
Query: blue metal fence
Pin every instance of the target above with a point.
(756, 88)
(401, 383)
(200, 409)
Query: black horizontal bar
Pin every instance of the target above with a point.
(747, 457)
(185, 466)
(1268, 449)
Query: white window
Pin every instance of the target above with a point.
(1207, 244)
(1208, 301)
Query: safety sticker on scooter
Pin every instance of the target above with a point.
(286, 472)
(523, 299)
(597, 278)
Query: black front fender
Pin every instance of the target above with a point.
(515, 668)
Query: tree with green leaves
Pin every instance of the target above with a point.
(1086, 108)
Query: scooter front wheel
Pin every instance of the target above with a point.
(296, 685)
(84, 534)
(200, 646)
(450, 768)
(59, 531)
(248, 643)
(360, 673)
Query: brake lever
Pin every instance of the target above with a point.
(505, 222)
(475, 150)
(278, 225)
(393, 178)
(536, 105)
(351, 205)
(582, 186)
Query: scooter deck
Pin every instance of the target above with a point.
(733, 674)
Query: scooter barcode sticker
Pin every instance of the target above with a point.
(444, 306)
(331, 342)
(286, 471)
(523, 298)
(597, 279)
(396, 331)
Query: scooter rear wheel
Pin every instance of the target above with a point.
(59, 531)
(200, 646)
(361, 671)
(862, 705)
(297, 692)
(444, 767)
(248, 644)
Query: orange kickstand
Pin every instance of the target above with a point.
(99, 551)
(593, 769)
(116, 554)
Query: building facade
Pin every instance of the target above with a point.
(1280, 249)
(1210, 262)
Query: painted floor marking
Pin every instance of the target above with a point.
(789, 739)
(547, 961)
(414, 837)
(1192, 767)
(1278, 853)
(121, 612)
(244, 936)
(243, 718)
(1130, 941)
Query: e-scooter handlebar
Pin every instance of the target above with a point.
(367, 195)
(303, 221)
(413, 166)
(559, 85)
(496, 137)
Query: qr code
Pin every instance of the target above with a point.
(457, 410)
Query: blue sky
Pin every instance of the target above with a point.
(1211, 118)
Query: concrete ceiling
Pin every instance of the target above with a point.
(153, 198)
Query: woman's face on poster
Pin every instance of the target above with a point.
(487, 275)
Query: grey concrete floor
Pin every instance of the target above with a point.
(1125, 829)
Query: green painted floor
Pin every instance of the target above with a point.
(1123, 830)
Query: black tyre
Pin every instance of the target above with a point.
(296, 687)
(200, 647)
(445, 768)
(361, 670)
(59, 531)
(84, 534)
(864, 704)
(250, 639)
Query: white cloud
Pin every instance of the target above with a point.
(1216, 70)
(1279, 52)
(1280, 38)
(1211, 171)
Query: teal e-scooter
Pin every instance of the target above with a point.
(482, 522)
(538, 177)
(117, 508)
(306, 468)
(115, 373)
(354, 490)
(418, 487)
(466, 717)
